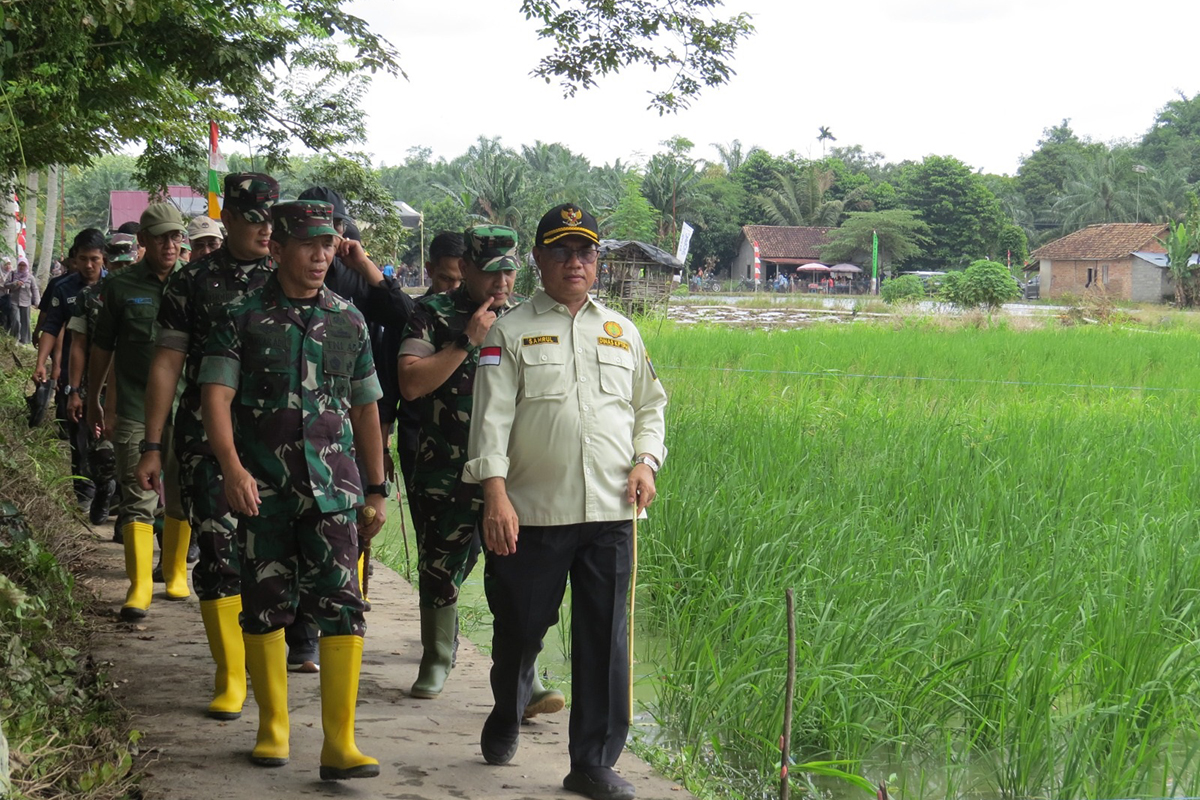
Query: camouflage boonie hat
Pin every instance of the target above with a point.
(251, 194)
(303, 219)
(121, 247)
(492, 248)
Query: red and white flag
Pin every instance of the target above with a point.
(489, 357)
(20, 221)
(757, 265)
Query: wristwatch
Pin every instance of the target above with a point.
(463, 342)
(380, 489)
(649, 461)
(149, 447)
(68, 390)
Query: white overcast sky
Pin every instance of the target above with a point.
(975, 79)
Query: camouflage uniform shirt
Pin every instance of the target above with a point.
(444, 414)
(127, 324)
(195, 296)
(297, 368)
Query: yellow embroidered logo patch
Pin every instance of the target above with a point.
(604, 340)
(613, 329)
(530, 340)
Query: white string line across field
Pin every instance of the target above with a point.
(840, 374)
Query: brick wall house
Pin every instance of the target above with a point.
(1122, 257)
(779, 246)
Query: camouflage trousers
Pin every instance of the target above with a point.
(217, 573)
(293, 556)
(448, 545)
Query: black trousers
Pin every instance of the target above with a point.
(77, 437)
(525, 590)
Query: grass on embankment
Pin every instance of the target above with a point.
(67, 737)
(994, 541)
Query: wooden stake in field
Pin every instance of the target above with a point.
(785, 741)
(632, 598)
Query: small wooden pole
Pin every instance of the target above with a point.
(785, 742)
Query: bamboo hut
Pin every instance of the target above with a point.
(637, 276)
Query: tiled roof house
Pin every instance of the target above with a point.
(1125, 258)
(779, 246)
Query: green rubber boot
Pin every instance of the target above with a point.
(543, 700)
(437, 643)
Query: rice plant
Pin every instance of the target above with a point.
(993, 540)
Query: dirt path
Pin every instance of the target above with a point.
(428, 749)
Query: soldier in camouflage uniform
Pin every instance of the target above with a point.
(123, 339)
(196, 295)
(288, 392)
(438, 355)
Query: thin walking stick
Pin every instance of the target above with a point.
(368, 515)
(632, 598)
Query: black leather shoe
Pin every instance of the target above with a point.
(598, 783)
(499, 742)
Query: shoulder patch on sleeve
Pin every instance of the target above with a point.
(490, 357)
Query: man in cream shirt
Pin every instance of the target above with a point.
(566, 437)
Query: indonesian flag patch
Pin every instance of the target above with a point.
(489, 357)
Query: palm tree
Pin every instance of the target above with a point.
(824, 133)
(1099, 192)
(732, 155)
(801, 200)
(669, 184)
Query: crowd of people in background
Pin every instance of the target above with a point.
(230, 388)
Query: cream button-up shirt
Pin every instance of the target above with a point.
(562, 405)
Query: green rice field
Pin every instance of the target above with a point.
(992, 536)
(993, 540)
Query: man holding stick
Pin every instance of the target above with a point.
(567, 433)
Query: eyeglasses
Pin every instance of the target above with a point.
(561, 255)
(174, 237)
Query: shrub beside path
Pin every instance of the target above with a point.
(428, 749)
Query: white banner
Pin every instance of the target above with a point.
(685, 241)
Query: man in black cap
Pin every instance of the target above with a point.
(562, 362)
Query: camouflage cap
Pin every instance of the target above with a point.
(251, 194)
(491, 248)
(120, 247)
(160, 218)
(303, 219)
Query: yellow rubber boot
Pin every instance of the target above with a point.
(177, 535)
(341, 662)
(139, 566)
(266, 659)
(229, 652)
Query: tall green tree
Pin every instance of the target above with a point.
(681, 38)
(802, 201)
(1042, 177)
(669, 184)
(1174, 138)
(903, 236)
(633, 218)
(963, 216)
(87, 77)
(1101, 190)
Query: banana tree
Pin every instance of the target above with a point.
(1182, 242)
